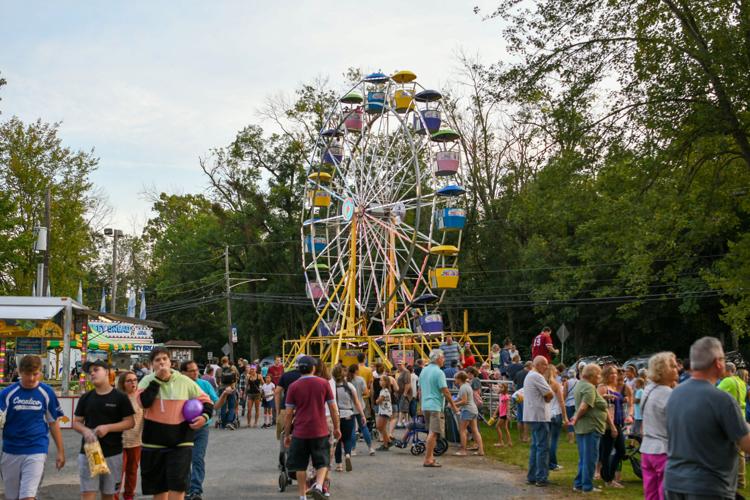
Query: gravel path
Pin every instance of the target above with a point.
(242, 464)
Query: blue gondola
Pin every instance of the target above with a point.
(424, 299)
(375, 101)
(451, 219)
(451, 190)
(317, 243)
(431, 323)
(431, 119)
(376, 77)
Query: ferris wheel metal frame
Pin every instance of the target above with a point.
(379, 234)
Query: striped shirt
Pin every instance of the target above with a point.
(450, 352)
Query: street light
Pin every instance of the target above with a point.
(229, 308)
(115, 234)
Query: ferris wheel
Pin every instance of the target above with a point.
(383, 217)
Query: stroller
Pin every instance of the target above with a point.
(633, 451)
(418, 445)
(285, 478)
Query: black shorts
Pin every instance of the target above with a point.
(165, 469)
(301, 451)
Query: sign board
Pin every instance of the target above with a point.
(30, 345)
(234, 334)
(225, 349)
(68, 405)
(210, 355)
(117, 331)
(563, 333)
(398, 355)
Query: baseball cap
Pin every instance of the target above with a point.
(88, 364)
(306, 361)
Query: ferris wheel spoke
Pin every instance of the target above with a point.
(396, 230)
(373, 265)
(394, 168)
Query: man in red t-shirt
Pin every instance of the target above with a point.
(305, 402)
(542, 345)
(276, 370)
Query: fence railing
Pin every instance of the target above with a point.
(490, 392)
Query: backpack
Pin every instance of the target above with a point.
(227, 376)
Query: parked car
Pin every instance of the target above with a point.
(267, 361)
(599, 360)
(640, 362)
(736, 358)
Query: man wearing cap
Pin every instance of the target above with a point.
(306, 400)
(102, 413)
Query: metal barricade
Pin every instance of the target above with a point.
(490, 393)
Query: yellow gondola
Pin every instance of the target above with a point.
(449, 250)
(319, 198)
(444, 278)
(404, 76)
(320, 177)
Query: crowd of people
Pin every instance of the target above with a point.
(690, 417)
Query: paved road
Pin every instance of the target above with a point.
(242, 464)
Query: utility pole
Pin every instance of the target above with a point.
(229, 304)
(114, 272)
(47, 217)
(115, 234)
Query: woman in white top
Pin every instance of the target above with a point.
(569, 394)
(663, 375)
(557, 413)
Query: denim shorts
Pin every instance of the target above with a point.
(467, 414)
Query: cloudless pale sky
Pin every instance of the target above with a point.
(153, 85)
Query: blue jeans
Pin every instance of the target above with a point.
(227, 411)
(555, 426)
(570, 410)
(538, 452)
(198, 464)
(347, 429)
(360, 422)
(588, 455)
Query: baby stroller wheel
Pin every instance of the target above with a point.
(417, 449)
(441, 446)
(283, 481)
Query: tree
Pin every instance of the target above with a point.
(32, 160)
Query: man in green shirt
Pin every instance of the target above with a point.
(736, 387)
(590, 422)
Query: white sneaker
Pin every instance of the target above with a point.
(353, 453)
(372, 451)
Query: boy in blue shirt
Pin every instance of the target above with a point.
(31, 412)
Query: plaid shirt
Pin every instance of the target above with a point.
(241, 383)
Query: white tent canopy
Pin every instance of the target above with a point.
(39, 308)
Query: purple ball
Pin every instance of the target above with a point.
(191, 409)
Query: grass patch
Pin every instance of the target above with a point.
(567, 455)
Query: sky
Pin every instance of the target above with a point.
(151, 86)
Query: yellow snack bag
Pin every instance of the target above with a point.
(95, 456)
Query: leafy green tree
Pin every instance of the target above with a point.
(33, 160)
